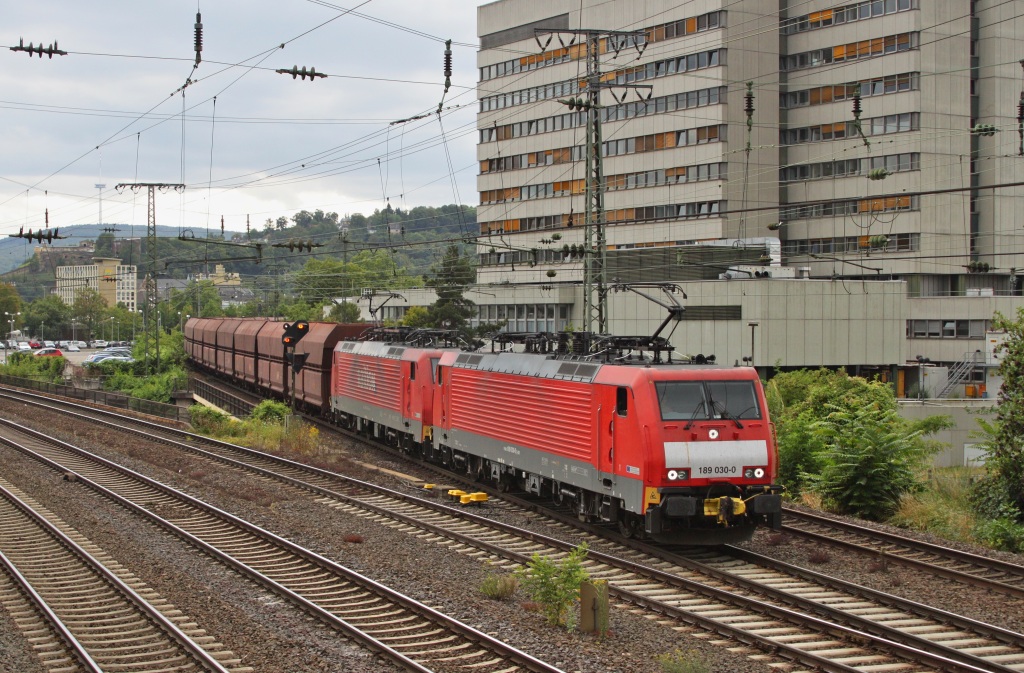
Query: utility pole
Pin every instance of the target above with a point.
(150, 326)
(595, 277)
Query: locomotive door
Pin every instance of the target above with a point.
(613, 434)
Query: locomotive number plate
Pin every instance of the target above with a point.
(716, 459)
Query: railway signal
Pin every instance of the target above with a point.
(294, 332)
(298, 361)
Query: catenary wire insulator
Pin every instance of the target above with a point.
(447, 65)
(199, 38)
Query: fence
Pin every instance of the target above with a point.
(109, 399)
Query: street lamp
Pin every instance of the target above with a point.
(111, 328)
(74, 335)
(42, 331)
(10, 318)
(753, 326)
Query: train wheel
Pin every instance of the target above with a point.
(629, 526)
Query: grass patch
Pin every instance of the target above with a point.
(682, 661)
(499, 587)
(942, 507)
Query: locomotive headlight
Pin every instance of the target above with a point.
(677, 475)
(758, 472)
(753, 472)
(673, 475)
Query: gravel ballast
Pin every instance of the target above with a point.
(274, 638)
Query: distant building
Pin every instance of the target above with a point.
(114, 281)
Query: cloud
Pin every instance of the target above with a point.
(243, 139)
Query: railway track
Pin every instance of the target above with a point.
(981, 571)
(411, 634)
(83, 616)
(746, 593)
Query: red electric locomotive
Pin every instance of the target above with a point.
(677, 452)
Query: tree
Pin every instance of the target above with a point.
(346, 312)
(416, 316)
(1000, 495)
(48, 316)
(10, 301)
(450, 278)
(832, 428)
(89, 309)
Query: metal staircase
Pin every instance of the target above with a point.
(959, 372)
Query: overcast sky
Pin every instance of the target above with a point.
(253, 142)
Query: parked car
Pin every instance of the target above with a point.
(99, 343)
(35, 343)
(49, 352)
(82, 344)
(24, 346)
(72, 347)
(49, 344)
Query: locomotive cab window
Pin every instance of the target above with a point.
(412, 371)
(622, 401)
(734, 399)
(681, 400)
(705, 400)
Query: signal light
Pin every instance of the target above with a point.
(294, 332)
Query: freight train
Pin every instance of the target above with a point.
(677, 452)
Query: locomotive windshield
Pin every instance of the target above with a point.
(703, 400)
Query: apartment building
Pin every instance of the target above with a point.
(860, 215)
(115, 282)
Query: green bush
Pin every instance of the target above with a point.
(556, 585)
(870, 463)
(27, 366)
(212, 422)
(1004, 532)
(123, 377)
(270, 411)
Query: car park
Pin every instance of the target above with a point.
(49, 352)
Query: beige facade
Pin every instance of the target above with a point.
(683, 207)
(115, 282)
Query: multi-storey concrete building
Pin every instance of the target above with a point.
(114, 281)
(862, 215)
(866, 158)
